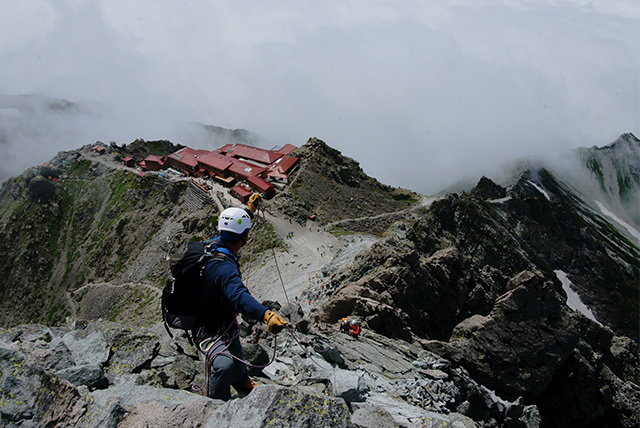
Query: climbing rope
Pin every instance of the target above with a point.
(284, 289)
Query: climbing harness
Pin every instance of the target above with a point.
(210, 343)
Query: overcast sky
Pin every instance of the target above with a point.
(417, 91)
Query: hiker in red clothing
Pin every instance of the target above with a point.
(354, 329)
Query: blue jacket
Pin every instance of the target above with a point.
(224, 295)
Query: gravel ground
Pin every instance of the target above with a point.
(312, 256)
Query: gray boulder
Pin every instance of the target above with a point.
(277, 406)
(368, 416)
(48, 352)
(89, 375)
(85, 348)
(156, 407)
(32, 396)
(131, 349)
(294, 313)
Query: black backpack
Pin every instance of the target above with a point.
(180, 293)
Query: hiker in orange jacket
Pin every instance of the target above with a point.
(344, 325)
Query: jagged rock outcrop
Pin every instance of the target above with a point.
(518, 361)
(487, 189)
(336, 188)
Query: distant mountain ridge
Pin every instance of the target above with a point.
(607, 178)
(616, 167)
(33, 128)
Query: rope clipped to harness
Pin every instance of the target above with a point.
(208, 348)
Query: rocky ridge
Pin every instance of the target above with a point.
(466, 321)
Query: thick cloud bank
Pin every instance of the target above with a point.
(418, 92)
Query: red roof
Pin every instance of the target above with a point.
(188, 156)
(245, 170)
(241, 190)
(260, 185)
(284, 150)
(252, 153)
(154, 158)
(216, 161)
(284, 164)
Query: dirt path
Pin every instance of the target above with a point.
(309, 250)
(312, 257)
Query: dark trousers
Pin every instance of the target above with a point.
(224, 369)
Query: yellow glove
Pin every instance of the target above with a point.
(275, 323)
(254, 202)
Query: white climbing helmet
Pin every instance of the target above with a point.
(233, 224)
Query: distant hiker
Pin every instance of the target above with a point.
(355, 329)
(221, 298)
(344, 325)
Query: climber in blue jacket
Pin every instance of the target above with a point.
(222, 296)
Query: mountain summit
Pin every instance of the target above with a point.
(513, 304)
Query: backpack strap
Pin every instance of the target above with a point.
(223, 253)
(223, 250)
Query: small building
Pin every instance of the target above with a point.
(100, 150)
(152, 163)
(215, 164)
(242, 170)
(129, 162)
(260, 185)
(240, 192)
(279, 171)
(186, 160)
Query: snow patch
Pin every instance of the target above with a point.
(501, 200)
(618, 220)
(540, 189)
(573, 300)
